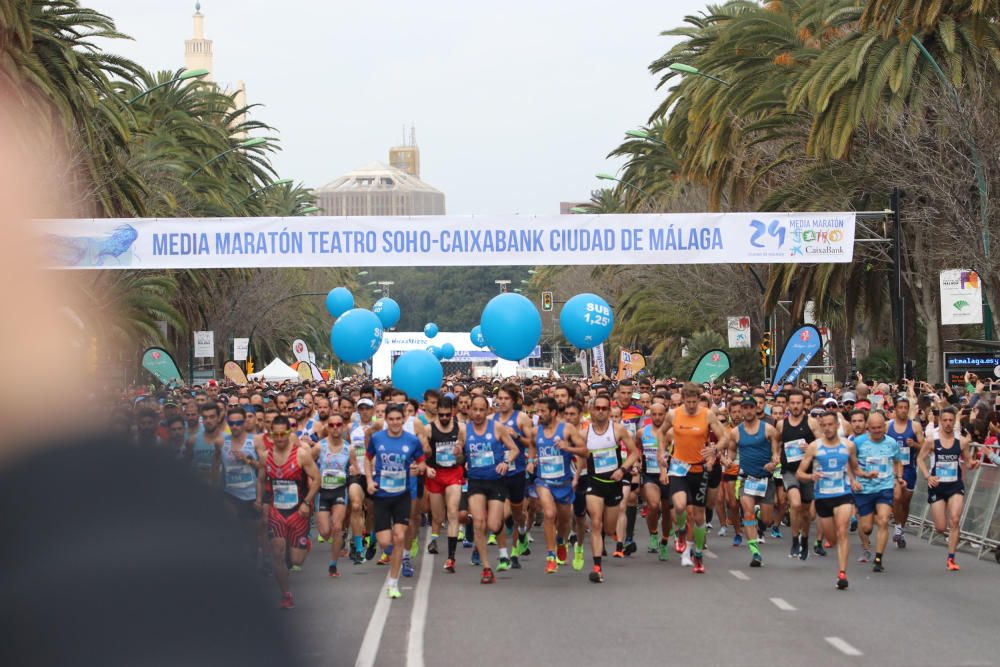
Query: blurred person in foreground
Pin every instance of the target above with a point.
(111, 554)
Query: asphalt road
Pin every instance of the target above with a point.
(647, 612)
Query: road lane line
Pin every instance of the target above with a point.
(739, 575)
(418, 617)
(842, 646)
(373, 634)
(782, 605)
(710, 554)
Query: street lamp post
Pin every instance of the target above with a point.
(385, 285)
(503, 285)
(282, 181)
(249, 143)
(608, 177)
(183, 76)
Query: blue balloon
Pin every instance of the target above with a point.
(511, 325)
(388, 311)
(431, 330)
(476, 336)
(436, 351)
(339, 301)
(586, 320)
(447, 350)
(417, 371)
(356, 335)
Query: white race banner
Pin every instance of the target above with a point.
(240, 346)
(739, 331)
(961, 297)
(204, 344)
(300, 350)
(598, 353)
(669, 238)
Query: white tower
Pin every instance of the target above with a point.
(198, 50)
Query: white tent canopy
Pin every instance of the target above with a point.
(275, 371)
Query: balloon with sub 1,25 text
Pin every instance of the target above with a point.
(447, 351)
(388, 311)
(338, 301)
(586, 320)
(476, 336)
(431, 330)
(417, 371)
(511, 325)
(356, 335)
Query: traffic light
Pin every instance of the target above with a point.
(765, 343)
(546, 300)
(763, 359)
(249, 365)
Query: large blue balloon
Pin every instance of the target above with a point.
(511, 325)
(436, 351)
(476, 336)
(339, 301)
(447, 351)
(417, 371)
(431, 330)
(356, 335)
(388, 311)
(586, 320)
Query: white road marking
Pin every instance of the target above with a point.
(842, 646)
(710, 554)
(373, 634)
(418, 617)
(782, 605)
(739, 575)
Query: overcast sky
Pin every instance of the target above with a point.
(515, 103)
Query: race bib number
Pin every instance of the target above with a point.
(605, 460)
(359, 453)
(286, 494)
(553, 467)
(678, 468)
(444, 454)
(904, 452)
(880, 464)
(652, 462)
(239, 477)
(333, 478)
(482, 459)
(755, 486)
(794, 450)
(831, 484)
(946, 471)
(392, 481)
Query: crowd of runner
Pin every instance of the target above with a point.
(361, 465)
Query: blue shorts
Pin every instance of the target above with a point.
(910, 477)
(563, 493)
(866, 502)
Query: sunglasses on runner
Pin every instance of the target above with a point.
(337, 423)
(236, 422)
(600, 407)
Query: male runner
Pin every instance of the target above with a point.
(686, 428)
(357, 485)
(443, 440)
(945, 486)
(508, 398)
(797, 430)
(572, 413)
(835, 476)
(203, 448)
(388, 458)
(655, 494)
(910, 438)
(882, 460)
(335, 461)
(239, 461)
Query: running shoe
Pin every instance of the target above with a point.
(371, 550)
(475, 557)
(619, 553)
(393, 593)
(523, 541)
(320, 538)
(295, 568)
(562, 553)
(630, 547)
(654, 544)
(737, 539)
(332, 570)
(516, 549)
(487, 577)
(644, 512)
(686, 559)
(383, 559)
(449, 565)
(775, 532)
(461, 534)
(854, 524)
(503, 564)
(952, 565)
(357, 558)
(287, 602)
(708, 525)
(818, 548)
(597, 575)
(515, 564)
(550, 565)
(760, 535)
(578, 557)
(680, 542)
(756, 560)
(664, 552)
(865, 556)
(878, 567)
(722, 531)
(794, 551)
(407, 568)
(699, 566)
(492, 539)
(901, 542)
(526, 550)
(432, 547)
(467, 544)
(414, 548)
(842, 581)
(803, 551)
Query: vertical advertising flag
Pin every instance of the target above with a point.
(624, 364)
(739, 331)
(204, 344)
(799, 350)
(712, 366)
(961, 297)
(158, 361)
(598, 353)
(300, 350)
(234, 373)
(240, 347)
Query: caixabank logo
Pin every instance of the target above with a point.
(803, 238)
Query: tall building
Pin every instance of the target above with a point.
(198, 55)
(379, 189)
(406, 156)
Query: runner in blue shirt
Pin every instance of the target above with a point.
(881, 459)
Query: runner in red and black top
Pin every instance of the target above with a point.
(294, 479)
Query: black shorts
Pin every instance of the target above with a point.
(463, 502)
(515, 485)
(715, 477)
(726, 477)
(655, 479)
(580, 500)
(694, 484)
(361, 481)
(244, 509)
(392, 510)
(611, 492)
(824, 506)
(330, 497)
(945, 491)
(493, 489)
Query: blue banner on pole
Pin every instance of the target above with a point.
(801, 347)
